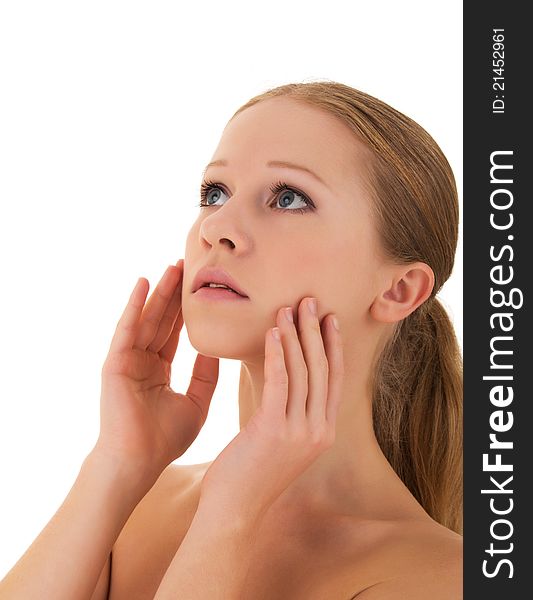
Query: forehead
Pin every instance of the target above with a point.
(290, 130)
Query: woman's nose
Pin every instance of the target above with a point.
(224, 231)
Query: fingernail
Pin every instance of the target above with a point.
(275, 333)
(288, 314)
(336, 323)
(311, 304)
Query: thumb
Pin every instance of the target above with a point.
(203, 382)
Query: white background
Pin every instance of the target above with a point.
(108, 113)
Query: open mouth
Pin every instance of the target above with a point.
(219, 293)
(225, 288)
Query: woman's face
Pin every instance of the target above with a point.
(275, 252)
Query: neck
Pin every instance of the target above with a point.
(353, 476)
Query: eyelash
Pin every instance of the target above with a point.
(207, 185)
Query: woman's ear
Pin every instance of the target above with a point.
(411, 285)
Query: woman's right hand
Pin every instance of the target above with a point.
(144, 424)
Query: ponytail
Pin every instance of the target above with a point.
(418, 411)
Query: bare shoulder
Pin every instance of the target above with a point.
(419, 560)
(166, 496)
(154, 531)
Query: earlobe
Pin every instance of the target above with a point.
(409, 289)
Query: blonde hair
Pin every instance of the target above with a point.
(418, 376)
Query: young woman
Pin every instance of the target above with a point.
(345, 479)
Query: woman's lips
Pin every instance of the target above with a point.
(215, 274)
(207, 293)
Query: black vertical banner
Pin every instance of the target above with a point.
(498, 257)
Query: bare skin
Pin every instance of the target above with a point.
(347, 524)
(279, 260)
(328, 558)
(331, 254)
(320, 512)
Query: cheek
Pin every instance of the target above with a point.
(193, 233)
(343, 271)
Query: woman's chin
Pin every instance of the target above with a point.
(223, 344)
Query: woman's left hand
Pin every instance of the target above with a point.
(294, 424)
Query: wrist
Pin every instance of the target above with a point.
(216, 517)
(131, 480)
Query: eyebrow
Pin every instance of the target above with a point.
(272, 163)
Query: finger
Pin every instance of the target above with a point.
(295, 364)
(128, 324)
(155, 307)
(317, 365)
(203, 382)
(168, 351)
(334, 351)
(276, 386)
(169, 317)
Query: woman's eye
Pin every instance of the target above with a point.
(208, 198)
(287, 199)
